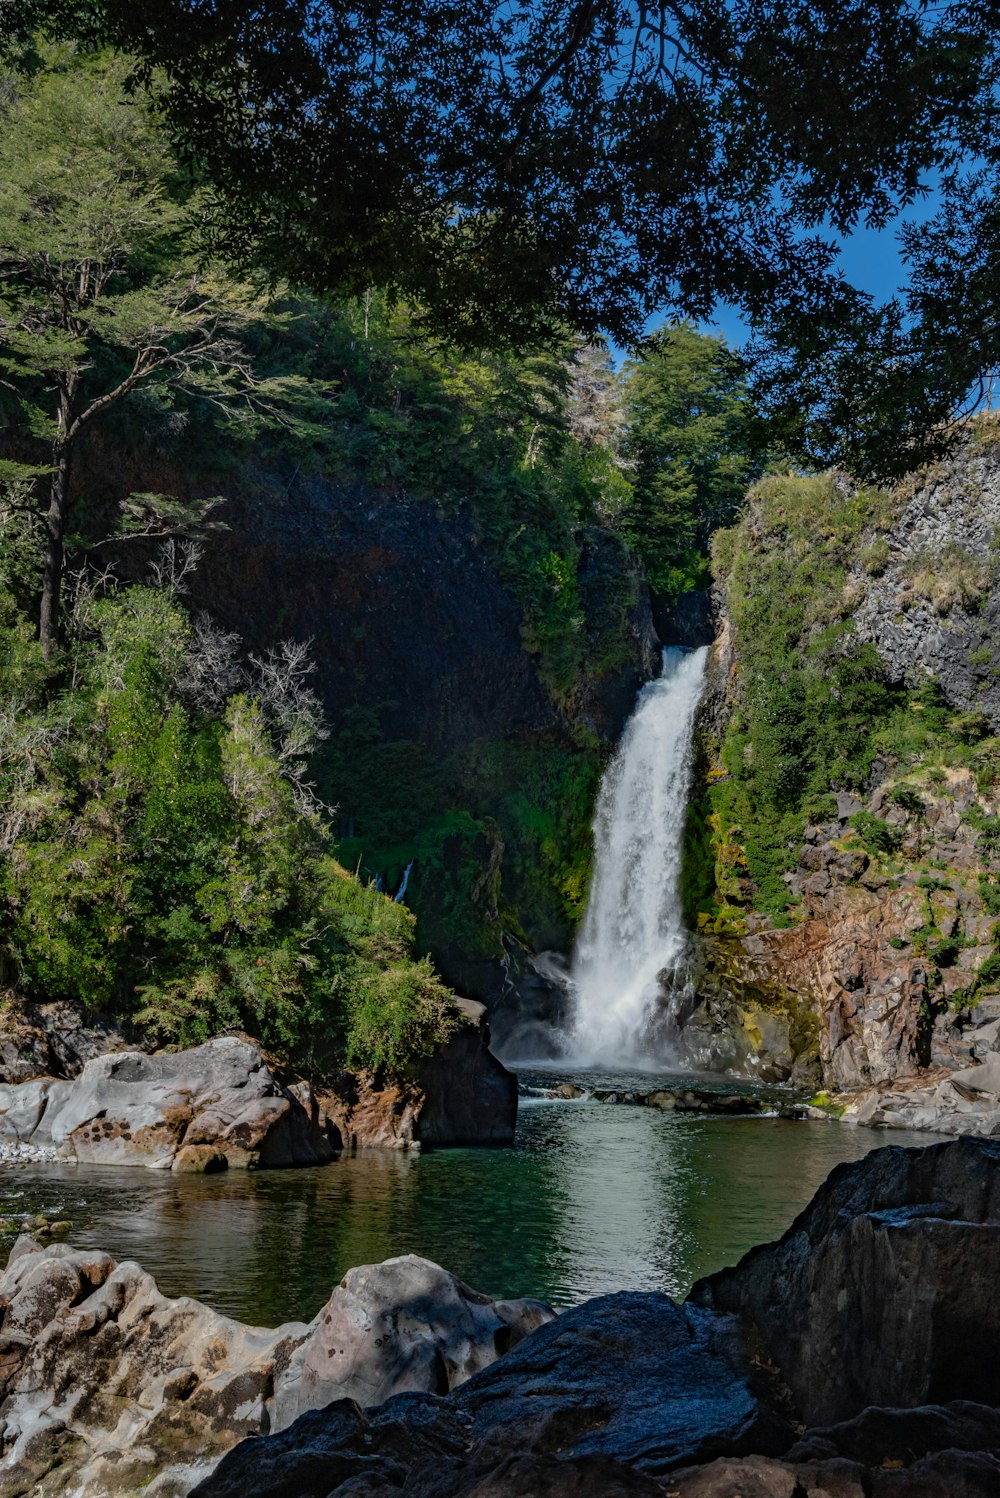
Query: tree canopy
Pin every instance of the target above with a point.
(692, 449)
(522, 166)
(97, 299)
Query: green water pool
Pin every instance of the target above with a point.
(592, 1197)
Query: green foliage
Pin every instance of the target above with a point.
(499, 836)
(99, 298)
(397, 1014)
(163, 861)
(877, 836)
(692, 450)
(907, 799)
(989, 893)
(815, 707)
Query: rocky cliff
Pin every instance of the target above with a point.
(452, 747)
(846, 815)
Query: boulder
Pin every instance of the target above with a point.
(460, 1095)
(404, 1324)
(625, 1386)
(108, 1387)
(213, 1106)
(883, 1291)
(880, 1298)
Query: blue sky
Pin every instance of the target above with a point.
(870, 259)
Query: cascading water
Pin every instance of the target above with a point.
(633, 929)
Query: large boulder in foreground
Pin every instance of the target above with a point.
(214, 1106)
(108, 1387)
(886, 1289)
(459, 1095)
(624, 1388)
(873, 1321)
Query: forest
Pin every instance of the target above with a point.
(174, 802)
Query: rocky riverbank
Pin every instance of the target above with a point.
(851, 1359)
(221, 1106)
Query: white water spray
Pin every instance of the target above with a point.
(633, 929)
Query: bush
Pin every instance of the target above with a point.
(167, 863)
(877, 836)
(907, 799)
(396, 1015)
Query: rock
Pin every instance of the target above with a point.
(402, 1325)
(984, 1078)
(460, 1095)
(825, 1303)
(847, 806)
(213, 1106)
(759, 1477)
(629, 1381)
(569, 1091)
(874, 1318)
(469, 1096)
(52, 1040)
(632, 1389)
(108, 1387)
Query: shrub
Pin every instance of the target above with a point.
(877, 836)
(396, 1015)
(167, 863)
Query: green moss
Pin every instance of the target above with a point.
(498, 836)
(814, 707)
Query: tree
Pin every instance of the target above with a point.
(97, 298)
(894, 389)
(518, 168)
(692, 448)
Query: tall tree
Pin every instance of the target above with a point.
(518, 167)
(692, 448)
(97, 298)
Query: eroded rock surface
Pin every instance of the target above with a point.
(53, 1039)
(885, 1290)
(208, 1108)
(626, 1386)
(108, 1387)
(460, 1095)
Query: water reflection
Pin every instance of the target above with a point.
(592, 1198)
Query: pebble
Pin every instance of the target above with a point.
(16, 1153)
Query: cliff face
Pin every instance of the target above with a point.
(449, 748)
(878, 966)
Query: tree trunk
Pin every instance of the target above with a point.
(55, 529)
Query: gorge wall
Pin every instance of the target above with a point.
(842, 866)
(452, 747)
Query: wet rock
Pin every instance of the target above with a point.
(460, 1095)
(215, 1102)
(882, 1292)
(623, 1388)
(108, 1387)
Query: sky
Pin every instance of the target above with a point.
(870, 258)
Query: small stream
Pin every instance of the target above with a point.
(593, 1197)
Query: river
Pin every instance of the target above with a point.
(593, 1197)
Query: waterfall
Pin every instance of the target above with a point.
(633, 928)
